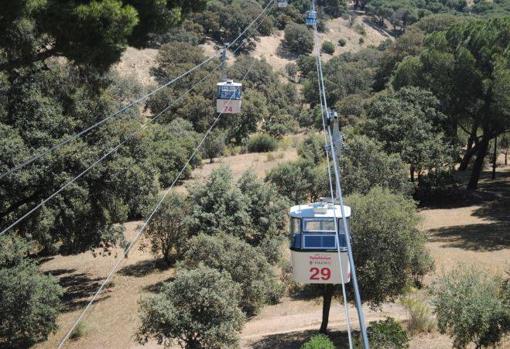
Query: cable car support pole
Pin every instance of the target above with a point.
(336, 143)
(324, 110)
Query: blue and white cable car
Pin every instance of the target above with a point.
(311, 18)
(282, 3)
(314, 250)
(228, 97)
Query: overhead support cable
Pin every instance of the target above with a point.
(129, 105)
(335, 158)
(145, 224)
(117, 147)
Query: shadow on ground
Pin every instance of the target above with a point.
(79, 288)
(143, 268)
(295, 340)
(156, 288)
(474, 237)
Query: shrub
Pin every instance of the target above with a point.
(246, 265)
(319, 341)
(469, 305)
(292, 70)
(198, 309)
(79, 331)
(342, 42)
(328, 47)
(420, 315)
(387, 334)
(360, 29)
(361, 41)
(298, 39)
(385, 242)
(29, 301)
(261, 143)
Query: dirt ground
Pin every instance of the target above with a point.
(476, 234)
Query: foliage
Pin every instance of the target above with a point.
(246, 265)
(318, 341)
(298, 39)
(420, 315)
(342, 42)
(328, 47)
(29, 301)
(198, 310)
(365, 165)
(292, 70)
(469, 305)
(172, 145)
(472, 88)
(389, 250)
(45, 108)
(409, 123)
(261, 143)
(248, 209)
(93, 33)
(387, 334)
(214, 145)
(167, 230)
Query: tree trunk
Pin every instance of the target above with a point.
(411, 173)
(478, 165)
(326, 305)
(495, 158)
(506, 157)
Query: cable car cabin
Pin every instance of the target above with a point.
(311, 18)
(228, 98)
(282, 3)
(314, 248)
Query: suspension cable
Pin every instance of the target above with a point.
(147, 221)
(324, 109)
(117, 147)
(129, 105)
(357, 297)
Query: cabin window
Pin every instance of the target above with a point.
(295, 226)
(319, 225)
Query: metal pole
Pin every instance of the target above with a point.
(336, 139)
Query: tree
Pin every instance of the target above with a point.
(214, 145)
(472, 88)
(469, 306)
(328, 47)
(298, 39)
(167, 230)
(45, 108)
(29, 301)
(389, 250)
(365, 165)
(409, 123)
(244, 263)
(93, 33)
(218, 206)
(198, 310)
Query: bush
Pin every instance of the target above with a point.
(261, 143)
(361, 41)
(328, 47)
(386, 242)
(470, 306)
(29, 301)
(79, 331)
(342, 42)
(198, 309)
(360, 29)
(246, 265)
(292, 70)
(298, 39)
(319, 341)
(420, 316)
(387, 334)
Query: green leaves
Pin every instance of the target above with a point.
(469, 305)
(198, 309)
